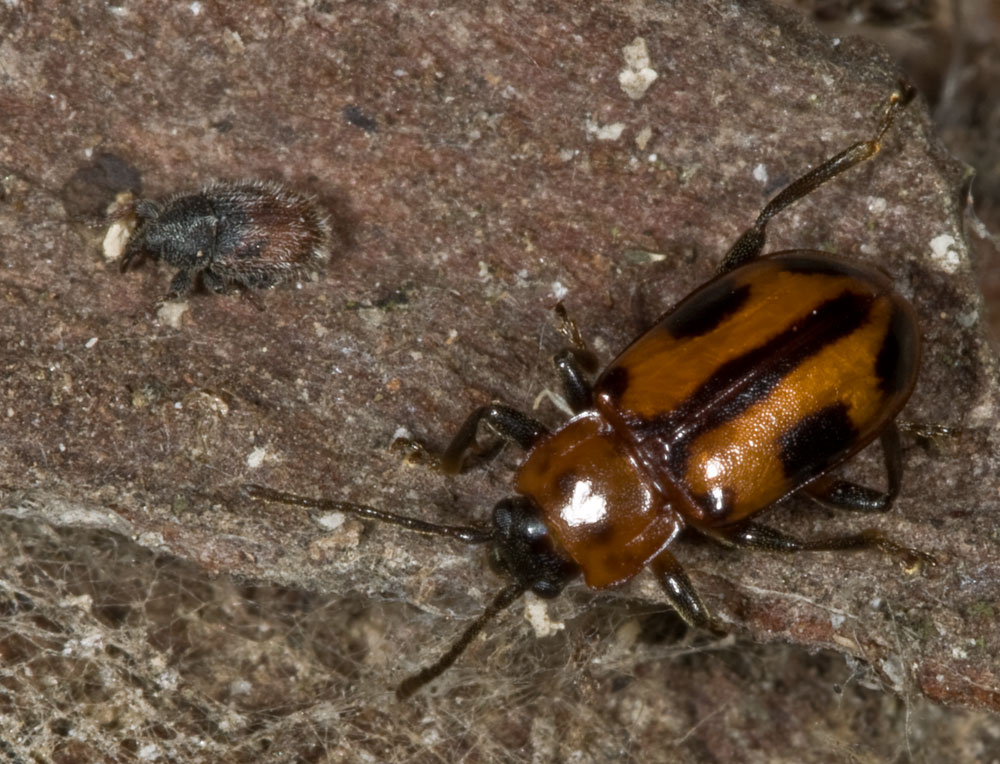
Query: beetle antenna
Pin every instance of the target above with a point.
(505, 597)
(468, 534)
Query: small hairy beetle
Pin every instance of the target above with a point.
(251, 234)
(752, 388)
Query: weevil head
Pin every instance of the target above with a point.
(523, 549)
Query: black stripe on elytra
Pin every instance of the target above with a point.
(815, 441)
(706, 309)
(896, 357)
(748, 379)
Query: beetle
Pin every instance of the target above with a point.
(751, 389)
(252, 234)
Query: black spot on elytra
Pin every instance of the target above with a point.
(718, 506)
(613, 384)
(815, 441)
(707, 310)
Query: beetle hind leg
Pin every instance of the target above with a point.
(757, 536)
(181, 284)
(750, 245)
(842, 494)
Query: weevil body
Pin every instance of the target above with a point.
(251, 234)
(751, 389)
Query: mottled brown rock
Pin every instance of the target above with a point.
(478, 161)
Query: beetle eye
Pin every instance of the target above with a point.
(523, 549)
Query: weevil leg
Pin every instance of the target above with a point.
(842, 494)
(130, 258)
(508, 422)
(757, 536)
(213, 281)
(750, 245)
(680, 592)
(574, 364)
(180, 284)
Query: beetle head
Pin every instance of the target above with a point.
(523, 550)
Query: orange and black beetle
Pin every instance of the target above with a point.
(752, 388)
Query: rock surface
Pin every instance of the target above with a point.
(478, 162)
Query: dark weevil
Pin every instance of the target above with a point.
(751, 389)
(251, 234)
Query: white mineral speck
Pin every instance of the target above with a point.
(170, 313)
(943, 253)
(637, 75)
(115, 239)
(330, 521)
(256, 458)
(537, 613)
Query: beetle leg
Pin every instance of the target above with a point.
(574, 364)
(842, 494)
(576, 386)
(508, 422)
(751, 243)
(756, 536)
(680, 593)
(568, 329)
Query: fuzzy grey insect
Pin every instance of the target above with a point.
(250, 234)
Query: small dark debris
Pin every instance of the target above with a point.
(358, 118)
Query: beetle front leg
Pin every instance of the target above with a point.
(576, 386)
(756, 536)
(574, 364)
(680, 592)
(508, 422)
(842, 494)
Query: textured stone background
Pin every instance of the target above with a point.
(478, 161)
